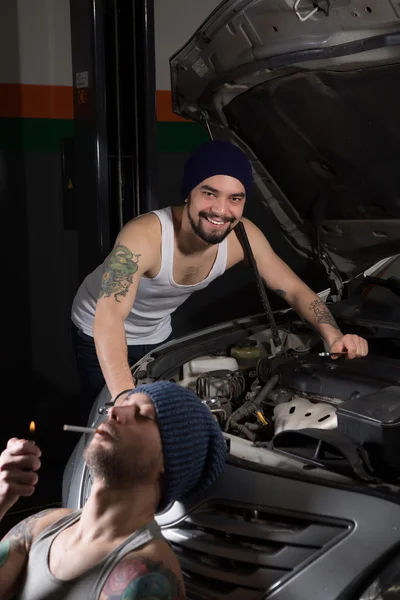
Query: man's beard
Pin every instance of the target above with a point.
(117, 469)
(215, 237)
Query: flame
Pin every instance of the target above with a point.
(32, 427)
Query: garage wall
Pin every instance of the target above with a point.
(36, 95)
(36, 99)
(36, 111)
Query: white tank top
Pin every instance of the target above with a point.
(149, 321)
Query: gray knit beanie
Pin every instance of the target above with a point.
(193, 445)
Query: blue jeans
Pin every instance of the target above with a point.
(90, 374)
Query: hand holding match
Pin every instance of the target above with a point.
(19, 464)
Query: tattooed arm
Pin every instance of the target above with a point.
(135, 253)
(312, 309)
(280, 278)
(143, 578)
(283, 281)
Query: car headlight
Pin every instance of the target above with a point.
(386, 586)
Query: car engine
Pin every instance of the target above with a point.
(257, 396)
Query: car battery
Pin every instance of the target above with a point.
(373, 421)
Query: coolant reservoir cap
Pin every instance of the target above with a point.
(246, 344)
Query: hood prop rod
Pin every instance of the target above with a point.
(244, 240)
(204, 117)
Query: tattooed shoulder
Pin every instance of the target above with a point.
(20, 537)
(280, 293)
(141, 578)
(120, 268)
(322, 313)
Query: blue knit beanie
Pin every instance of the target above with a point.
(194, 449)
(216, 158)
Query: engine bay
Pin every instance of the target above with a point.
(256, 393)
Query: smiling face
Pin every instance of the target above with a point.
(127, 449)
(215, 206)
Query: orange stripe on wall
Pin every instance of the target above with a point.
(36, 101)
(164, 107)
(57, 102)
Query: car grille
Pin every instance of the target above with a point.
(234, 552)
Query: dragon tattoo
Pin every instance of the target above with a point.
(121, 266)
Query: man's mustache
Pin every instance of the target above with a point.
(216, 217)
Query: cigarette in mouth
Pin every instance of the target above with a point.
(79, 429)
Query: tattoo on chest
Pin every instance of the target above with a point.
(121, 266)
(321, 311)
(142, 579)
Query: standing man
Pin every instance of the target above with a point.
(123, 309)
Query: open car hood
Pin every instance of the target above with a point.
(310, 89)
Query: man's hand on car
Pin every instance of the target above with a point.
(354, 345)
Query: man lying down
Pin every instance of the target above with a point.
(158, 445)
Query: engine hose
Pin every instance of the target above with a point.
(268, 387)
(252, 405)
(244, 431)
(252, 426)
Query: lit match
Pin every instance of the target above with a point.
(32, 429)
(79, 429)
